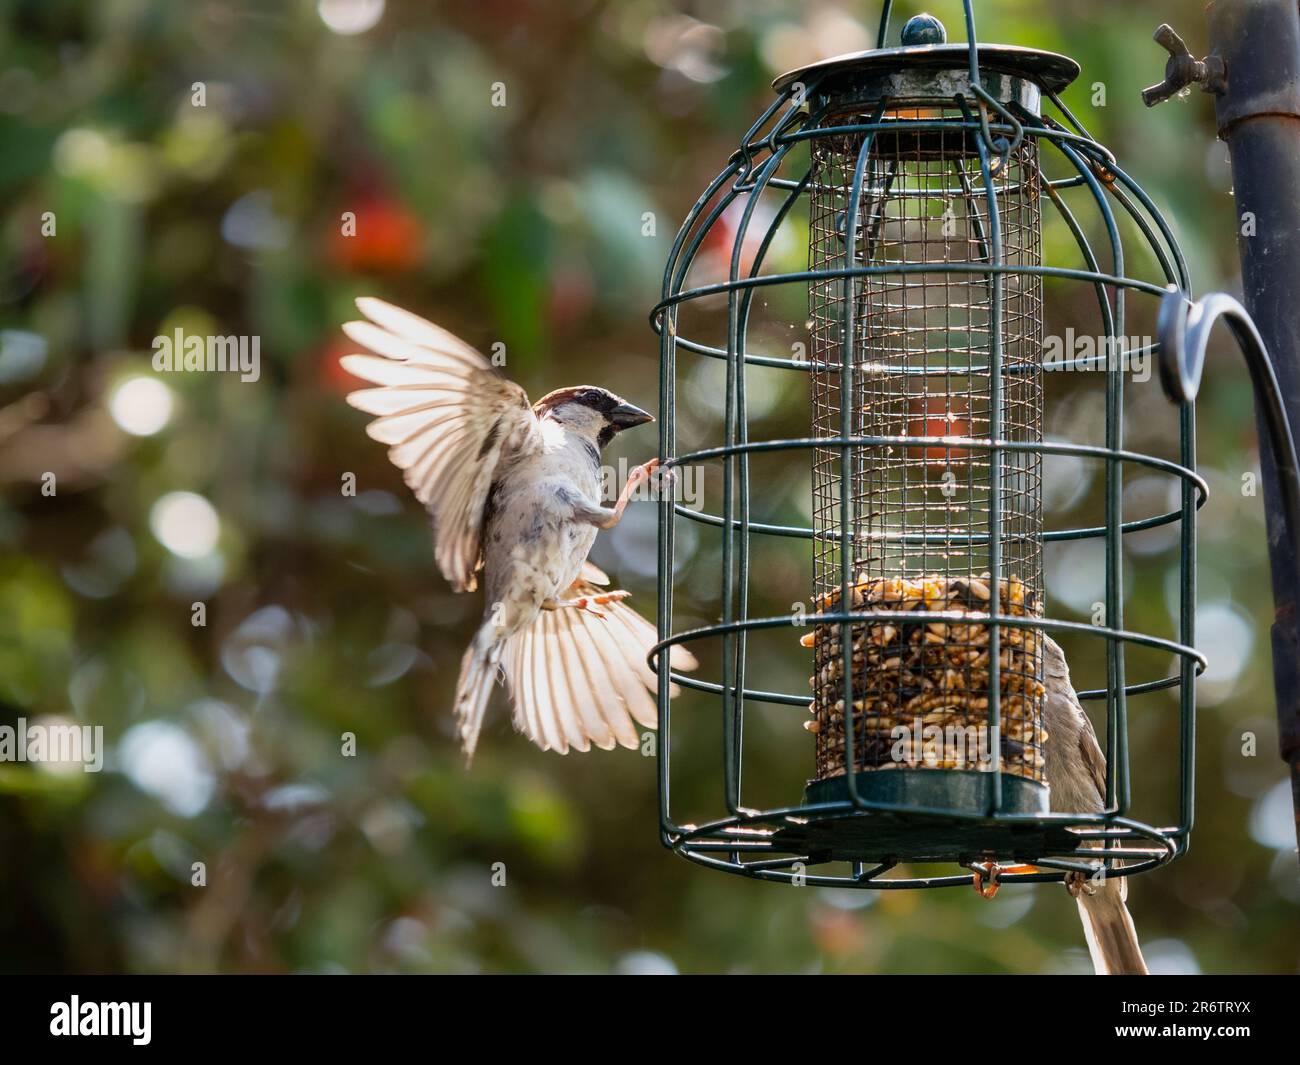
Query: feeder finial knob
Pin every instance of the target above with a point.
(923, 29)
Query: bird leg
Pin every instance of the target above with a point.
(635, 479)
(586, 602)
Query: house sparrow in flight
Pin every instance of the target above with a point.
(1076, 770)
(513, 489)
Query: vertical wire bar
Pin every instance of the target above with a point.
(1187, 633)
(1114, 536)
(1114, 324)
(825, 190)
(733, 642)
(1176, 273)
(1187, 539)
(730, 772)
(730, 763)
(667, 558)
(995, 463)
(848, 517)
(680, 258)
(1117, 706)
(738, 323)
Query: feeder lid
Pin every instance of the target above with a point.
(1052, 72)
(924, 48)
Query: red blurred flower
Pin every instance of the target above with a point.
(385, 236)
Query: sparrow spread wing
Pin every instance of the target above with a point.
(448, 417)
(578, 678)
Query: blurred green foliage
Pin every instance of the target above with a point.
(521, 224)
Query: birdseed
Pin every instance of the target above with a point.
(920, 688)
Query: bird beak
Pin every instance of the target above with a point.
(626, 416)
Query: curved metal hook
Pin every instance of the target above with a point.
(1183, 329)
(1184, 332)
(998, 146)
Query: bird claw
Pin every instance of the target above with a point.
(1077, 883)
(992, 871)
(995, 873)
(642, 474)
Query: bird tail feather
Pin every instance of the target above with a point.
(478, 668)
(579, 678)
(1109, 930)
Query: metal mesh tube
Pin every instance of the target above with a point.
(920, 513)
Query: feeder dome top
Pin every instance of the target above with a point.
(1050, 71)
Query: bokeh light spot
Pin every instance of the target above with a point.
(141, 406)
(185, 523)
(162, 760)
(349, 17)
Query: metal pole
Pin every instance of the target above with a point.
(1258, 112)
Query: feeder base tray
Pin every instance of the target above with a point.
(871, 836)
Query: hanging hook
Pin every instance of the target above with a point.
(883, 32)
(921, 30)
(999, 146)
(1183, 328)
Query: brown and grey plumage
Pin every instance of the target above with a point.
(1076, 770)
(513, 489)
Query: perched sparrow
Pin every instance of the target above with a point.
(514, 490)
(1076, 770)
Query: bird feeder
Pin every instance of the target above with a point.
(922, 175)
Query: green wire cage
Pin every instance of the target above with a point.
(920, 173)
